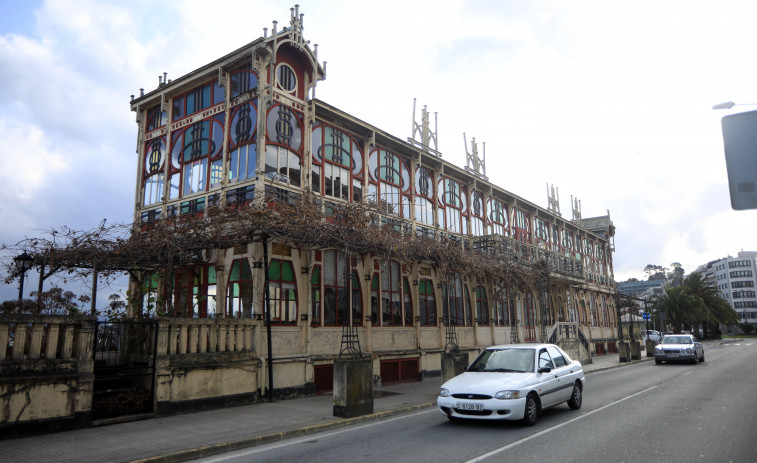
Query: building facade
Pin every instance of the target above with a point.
(736, 278)
(246, 130)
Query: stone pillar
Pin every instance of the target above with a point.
(649, 345)
(453, 364)
(635, 347)
(353, 387)
(624, 351)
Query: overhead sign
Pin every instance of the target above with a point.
(740, 142)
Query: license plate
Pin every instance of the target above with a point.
(672, 354)
(469, 406)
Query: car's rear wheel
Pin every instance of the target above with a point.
(532, 410)
(575, 398)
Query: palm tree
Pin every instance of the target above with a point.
(679, 306)
(696, 301)
(718, 310)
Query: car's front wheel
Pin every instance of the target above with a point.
(701, 359)
(532, 410)
(575, 398)
(657, 361)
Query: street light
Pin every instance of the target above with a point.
(23, 263)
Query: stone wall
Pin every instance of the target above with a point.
(205, 363)
(46, 373)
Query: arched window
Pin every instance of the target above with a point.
(453, 206)
(455, 307)
(500, 306)
(240, 290)
(357, 300)
(498, 224)
(424, 195)
(155, 119)
(336, 288)
(337, 167)
(389, 182)
(315, 296)
(426, 302)
(335, 294)
(477, 214)
(482, 306)
(242, 147)
(282, 292)
(583, 315)
(194, 291)
(283, 151)
(554, 238)
(196, 161)
(567, 243)
(153, 173)
(521, 228)
(395, 295)
(540, 231)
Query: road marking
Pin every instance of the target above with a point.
(541, 433)
(311, 437)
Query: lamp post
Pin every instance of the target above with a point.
(23, 263)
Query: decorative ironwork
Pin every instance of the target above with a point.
(243, 128)
(576, 206)
(284, 129)
(553, 200)
(450, 338)
(583, 340)
(350, 342)
(475, 164)
(124, 368)
(424, 131)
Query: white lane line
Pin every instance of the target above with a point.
(300, 440)
(541, 433)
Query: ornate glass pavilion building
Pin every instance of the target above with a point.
(246, 130)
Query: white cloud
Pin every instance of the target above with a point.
(608, 101)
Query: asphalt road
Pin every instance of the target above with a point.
(637, 413)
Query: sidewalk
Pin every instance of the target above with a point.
(193, 435)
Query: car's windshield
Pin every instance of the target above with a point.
(504, 360)
(676, 340)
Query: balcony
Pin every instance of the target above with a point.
(502, 247)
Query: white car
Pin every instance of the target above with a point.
(651, 335)
(679, 347)
(513, 382)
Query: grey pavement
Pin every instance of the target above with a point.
(193, 435)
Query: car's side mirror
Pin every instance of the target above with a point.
(544, 370)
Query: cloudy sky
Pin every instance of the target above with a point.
(609, 101)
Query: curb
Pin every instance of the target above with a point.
(224, 447)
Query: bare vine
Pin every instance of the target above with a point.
(357, 228)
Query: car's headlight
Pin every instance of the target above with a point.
(689, 350)
(658, 349)
(505, 395)
(444, 392)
